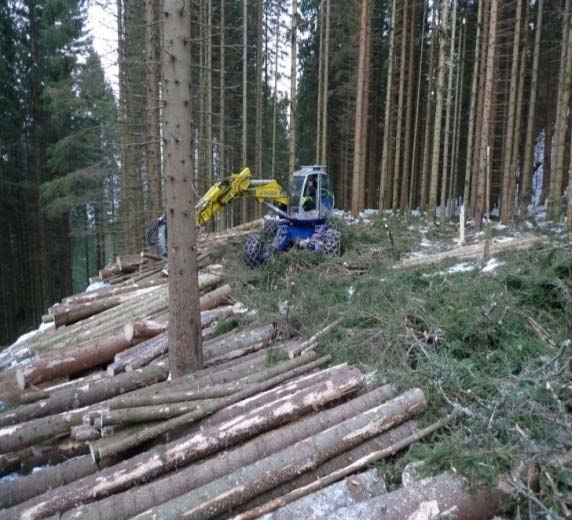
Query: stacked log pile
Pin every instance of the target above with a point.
(97, 429)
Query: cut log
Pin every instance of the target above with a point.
(338, 462)
(141, 498)
(436, 497)
(219, 347)
(143, 414)
(215, 298)
(49, 454)
(139, 356)
(195, 390)
(340, 473)
(69, 398)
(162, 459)
(202, 410)
(24, 488)
(476, 251)
(73, 361)
(223, 494)
(143, 329)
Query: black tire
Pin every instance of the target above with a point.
(253, 250)
(332, 242)
(270, 228)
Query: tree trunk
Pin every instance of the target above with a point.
(413, 187)
(561, 115)
(259, 70)
(528, 163)
(160, 460)
(445, 176)
(222, 99)
(325, 95)
(507, 164)
(518, 117)
(244, 129)
(481, 202)
(236, 488)
(472, 109)
(359, 160)
(152, 78)
(385, 165)
(434, 179)
(398, 133)
(185, 351)
(293, 53)
(320, 83)
(425, 168)
(275, 97)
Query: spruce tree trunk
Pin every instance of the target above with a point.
(484, 163)
(185, 350)
(244, 129)
(528, 163)
(384, 174)
(293, 53)
(561, 115)
(325, 95)
(152, 77)
(445, 175)
(403, 206)
(259, 65)
(400, 101)
(359, 122)
(434, 180)
(320, 84)
(472, 110)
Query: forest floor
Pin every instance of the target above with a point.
(490, 339)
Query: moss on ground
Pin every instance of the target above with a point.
(491, 344)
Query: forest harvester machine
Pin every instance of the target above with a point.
(304, 213)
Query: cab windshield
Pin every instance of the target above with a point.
(295, 194)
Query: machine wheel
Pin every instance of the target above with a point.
(270, 228)
(332, 242)
(253, 250)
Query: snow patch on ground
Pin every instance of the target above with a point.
(491, 265)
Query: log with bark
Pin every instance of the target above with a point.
(40, 423)
(47, 454)
(475, 251)
(140, 355)
(140, 498)
(162, 459)
(208, 407)
(72, 361)
(444, 496)
(342, 472)
(221, 495)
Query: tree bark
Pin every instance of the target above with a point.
(385, 165)
(434, 179)
(481, 202)
(153, 145)
(324, 142)
(525, 196)
(445, 176)
(141, 498)
(293, 53)
(359, 160)
(239, 486)
(160, 460)
(203, 410)
(472, 110)
(185, 350)
(400, 103)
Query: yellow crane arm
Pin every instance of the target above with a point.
(238, 185)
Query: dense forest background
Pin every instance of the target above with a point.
(413, 105)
